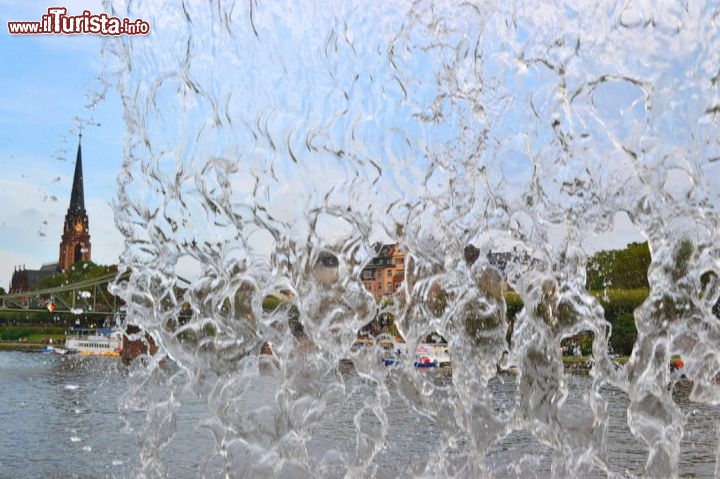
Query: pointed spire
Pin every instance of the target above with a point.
(77, 197)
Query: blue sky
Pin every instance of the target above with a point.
(46, 89)
(48, 86)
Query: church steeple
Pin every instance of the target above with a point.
(77, 197)
(75, 244)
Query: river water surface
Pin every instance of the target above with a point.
(62, 417)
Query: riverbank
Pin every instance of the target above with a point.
(30, 338)
(583, 364)
(21, 346)
(32, 334)
(575, 364)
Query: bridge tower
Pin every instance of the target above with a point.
(75, 244)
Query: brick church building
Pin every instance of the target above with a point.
(75, 241)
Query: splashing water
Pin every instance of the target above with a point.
(266, 134)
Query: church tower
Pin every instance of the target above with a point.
(75, 244)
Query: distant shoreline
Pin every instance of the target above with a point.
(18, 346)
(581, 364)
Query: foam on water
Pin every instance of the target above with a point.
(264, 134)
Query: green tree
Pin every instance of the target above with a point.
(78, 272)
(619, 269)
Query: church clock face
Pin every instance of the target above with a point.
(78, 227)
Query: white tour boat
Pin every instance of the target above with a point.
(94, 342)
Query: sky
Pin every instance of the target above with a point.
(47, 85)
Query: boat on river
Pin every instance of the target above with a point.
(58, 350)
(427, 355)
(432, 355)
(94, 342)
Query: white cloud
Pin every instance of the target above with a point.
(106, 240)
(31, 227)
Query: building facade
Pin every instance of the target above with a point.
(326, 269)
(26, 279)
(385, 272)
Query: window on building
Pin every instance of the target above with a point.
(389, 287)
(399, 260)
(389, 273)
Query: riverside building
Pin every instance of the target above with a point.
(385, 272)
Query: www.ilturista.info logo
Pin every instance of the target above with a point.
(57, 21)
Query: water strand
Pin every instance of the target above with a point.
(264, 136)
